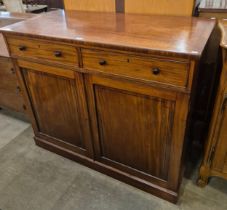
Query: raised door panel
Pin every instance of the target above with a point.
(220, 156)
(135, 129)
(56, 107)
(134, 126)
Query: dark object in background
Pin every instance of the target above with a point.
(215, 157)
(55, 4)
(203, 101)
(50, 3)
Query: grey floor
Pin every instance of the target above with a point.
(34, 179)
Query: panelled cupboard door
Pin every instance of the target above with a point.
(220, 156)
(134, 126)
(58, 107)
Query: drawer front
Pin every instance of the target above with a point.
(10, 94)
(41, 49)
(11, 100)
(168, 72)
(7, 75)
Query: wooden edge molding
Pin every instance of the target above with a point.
(221, 25)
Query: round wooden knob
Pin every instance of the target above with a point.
(22, 48)
(18, 90)
(12, 70)
(156, 71)
(24, 107)
(57, 53)
(102, 62)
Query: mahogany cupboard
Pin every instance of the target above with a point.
(101, 91)
(215, 158)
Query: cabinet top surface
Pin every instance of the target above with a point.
(7, 18)
(16, 15)
(169, 35)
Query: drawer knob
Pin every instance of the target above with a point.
(18, 89)
(57, 53)
(102, 62)
(12, 70)
(24, 107)
(155, 71)
(22, 48)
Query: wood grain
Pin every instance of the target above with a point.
(43, 50)
(40, 86)
(161, 7)
(10, 96)
(56, 109)
(171, 72)
(116, 116)
(131, 115)
(140, 33)
(90, 5)
(7, 18)
(126, 91)
(46, 69)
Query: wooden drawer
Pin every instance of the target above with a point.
(7, 75)
(10, 96)
(169, 72)
(41, 49)
(11, 100)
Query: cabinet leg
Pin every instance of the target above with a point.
(204, 175)
(202, 181)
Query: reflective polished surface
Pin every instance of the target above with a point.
(7, 18)
(169, 35)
